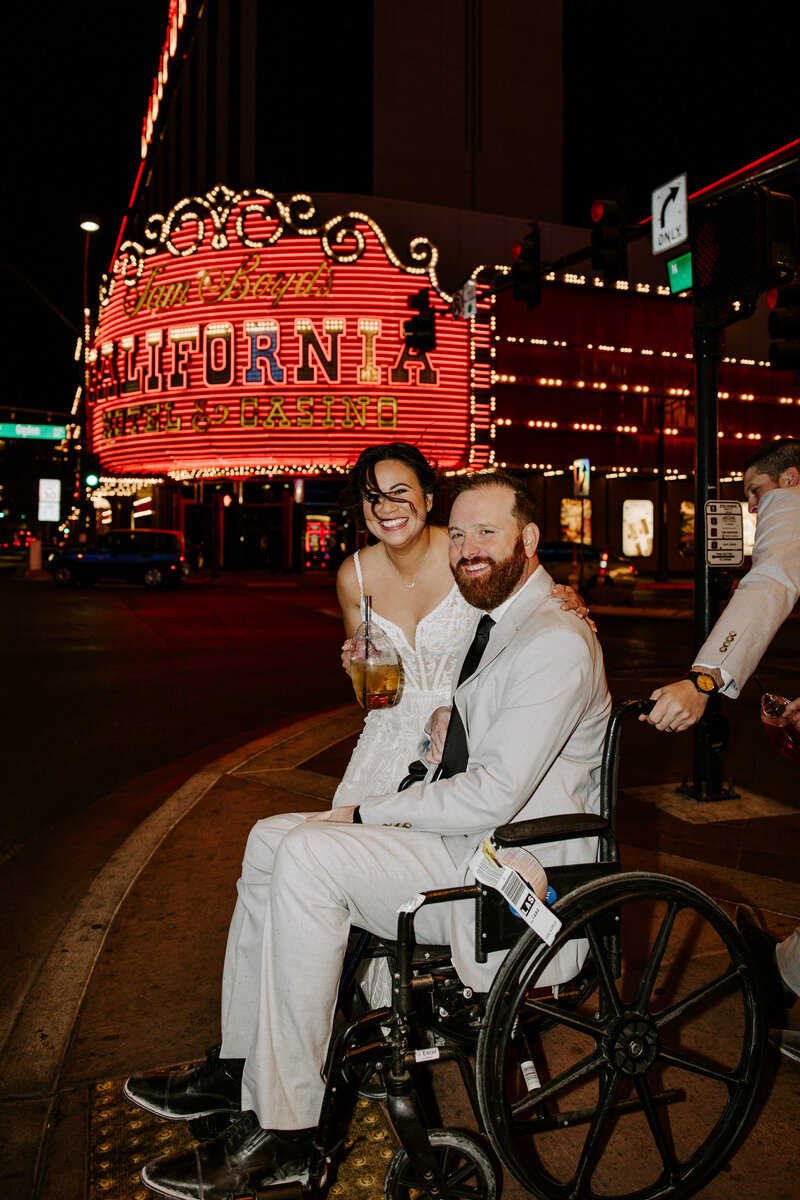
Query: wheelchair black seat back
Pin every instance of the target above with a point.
(615, 1084)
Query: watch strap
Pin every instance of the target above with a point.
(706, 676)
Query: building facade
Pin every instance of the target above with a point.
(300, 183)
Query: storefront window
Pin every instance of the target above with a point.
(637, 528)
(576, 515)
(686, 537)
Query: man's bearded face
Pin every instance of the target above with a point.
(492, 587)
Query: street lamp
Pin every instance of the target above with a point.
(89, 225)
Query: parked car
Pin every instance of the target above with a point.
(562, 561)
(154, 557)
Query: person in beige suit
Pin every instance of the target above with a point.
(730, 655)
(760, 604)
(524, 739)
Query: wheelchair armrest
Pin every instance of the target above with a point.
(558, 828)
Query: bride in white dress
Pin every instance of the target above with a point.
(414, 601)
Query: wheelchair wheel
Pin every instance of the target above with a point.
(630, 1091)
(466, 1167)
(367, 1076)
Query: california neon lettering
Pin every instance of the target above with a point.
(266, 353)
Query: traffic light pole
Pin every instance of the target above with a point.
(710, 735)
(662, 573)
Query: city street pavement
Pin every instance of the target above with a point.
(133, 981)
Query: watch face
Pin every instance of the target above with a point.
(705, 683)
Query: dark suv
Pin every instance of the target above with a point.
(154, 557)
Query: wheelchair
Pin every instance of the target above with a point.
(613, 1085)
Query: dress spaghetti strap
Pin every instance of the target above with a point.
(360, 579)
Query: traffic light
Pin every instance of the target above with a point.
(526, 270)
(91, 480)
(743, 242)
(420, 332)
(784, 326)
(609, 240)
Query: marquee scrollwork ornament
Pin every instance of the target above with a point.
(261, 219)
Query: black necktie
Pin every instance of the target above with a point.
(455, 754)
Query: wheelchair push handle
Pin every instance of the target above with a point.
(610, 765)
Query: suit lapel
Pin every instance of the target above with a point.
(536, 592)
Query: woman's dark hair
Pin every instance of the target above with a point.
(364, 486)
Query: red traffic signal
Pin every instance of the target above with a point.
(784, 325)
(600, 209)
(609, 240)
(420, 332)
(526, 270)
(743, 242)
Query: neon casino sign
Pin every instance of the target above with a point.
(243, 334)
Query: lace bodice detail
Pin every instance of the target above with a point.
(394, 737)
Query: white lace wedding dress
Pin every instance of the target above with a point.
(393, 737)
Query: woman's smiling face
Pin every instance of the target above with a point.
(397, 511)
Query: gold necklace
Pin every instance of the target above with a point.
(408, 586)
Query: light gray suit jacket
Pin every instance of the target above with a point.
(535, 713)
(766, 595)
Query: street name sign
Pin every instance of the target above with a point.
(724, 533)
(48, 433)
(670, 212)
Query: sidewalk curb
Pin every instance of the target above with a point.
(36, 1051)
(37, 1045)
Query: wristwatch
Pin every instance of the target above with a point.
(706, 684)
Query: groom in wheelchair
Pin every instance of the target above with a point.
(523, 740)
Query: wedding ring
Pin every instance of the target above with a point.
(670, 729)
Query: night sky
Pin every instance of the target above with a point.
(651, 90)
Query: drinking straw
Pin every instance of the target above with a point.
(367, 635)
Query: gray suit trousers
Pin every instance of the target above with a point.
(302, 886)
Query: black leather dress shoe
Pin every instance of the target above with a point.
(237, 1163)
(762, 949)
(214, 1087)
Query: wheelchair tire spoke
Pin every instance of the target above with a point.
(695, 1067)
(645, 989)
(608, 986)
(699, 996)
(657, 1129)
(458, 1176)
(563, 1016)
(564, 1080)
(589, 1154)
